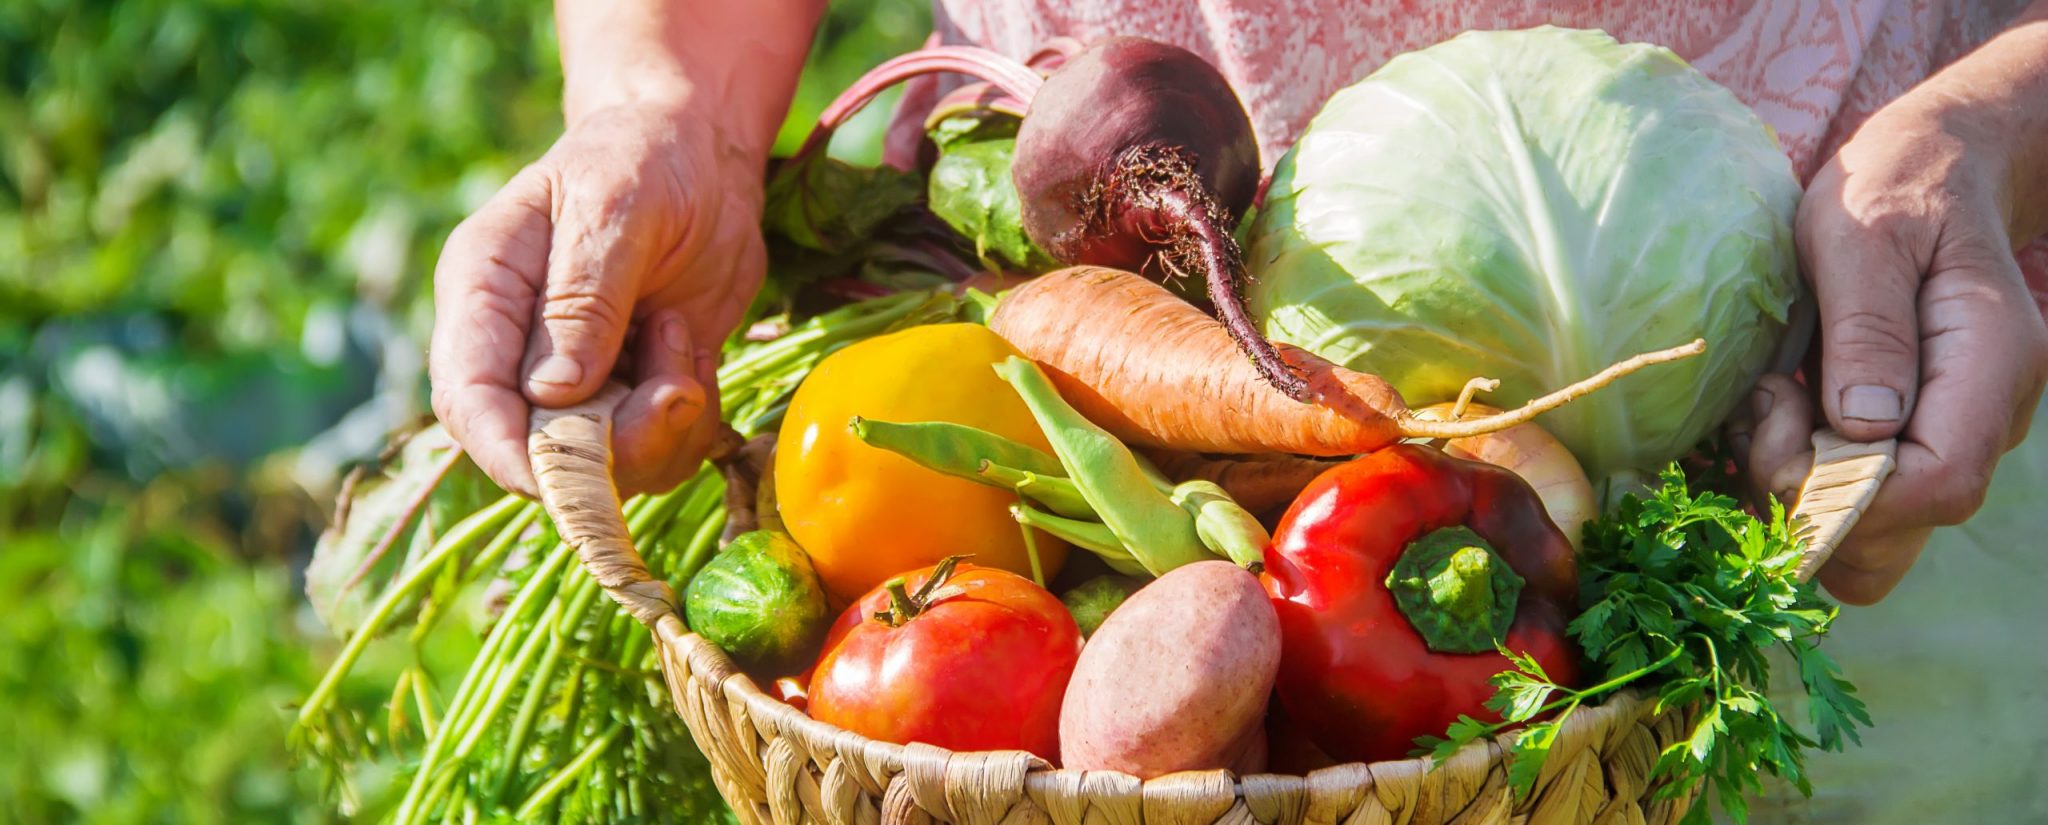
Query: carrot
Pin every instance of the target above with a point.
(1155, 371)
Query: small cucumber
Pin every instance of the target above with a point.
(762, 603)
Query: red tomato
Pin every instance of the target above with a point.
(790, 690)
(982, 665)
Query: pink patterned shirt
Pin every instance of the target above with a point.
(1812, 69)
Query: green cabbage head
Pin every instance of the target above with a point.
(1533, 206)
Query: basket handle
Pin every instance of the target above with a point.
(1845, 478)
(571, 451)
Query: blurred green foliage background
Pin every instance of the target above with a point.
(217, 224)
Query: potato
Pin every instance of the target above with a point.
(1177, 678)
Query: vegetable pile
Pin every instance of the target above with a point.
(1086, 519)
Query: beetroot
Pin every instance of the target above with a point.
(1156, 116)
(1133, 154)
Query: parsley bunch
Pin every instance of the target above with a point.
(1685, 594)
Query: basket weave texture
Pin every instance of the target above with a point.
(774, 764)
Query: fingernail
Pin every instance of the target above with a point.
(1870, 402)
(675, 337)
(1760, 403)
(558, 370)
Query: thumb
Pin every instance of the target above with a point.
(1868, 292)
(586, 304)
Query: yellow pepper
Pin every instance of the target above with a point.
(864, 514)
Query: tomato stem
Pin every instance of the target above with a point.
(902, 606)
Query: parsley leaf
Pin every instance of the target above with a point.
(1836, 711)
(1463, 732)
(1525, 759)
(1520, 693)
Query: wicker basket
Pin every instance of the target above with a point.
(774, 764)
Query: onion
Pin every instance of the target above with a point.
(1534, 454)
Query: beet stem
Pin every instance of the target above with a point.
(1012, 78)
(1223, 265)
(1054, 53)
(968, 100)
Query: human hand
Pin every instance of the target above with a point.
(631, 248)
(1928, 334)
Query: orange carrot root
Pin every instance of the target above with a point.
(1157, 372)
(1412, 427)
(1472, 388)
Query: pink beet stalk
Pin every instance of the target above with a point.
(1011, 78)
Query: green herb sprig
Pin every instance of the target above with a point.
(1686, 594)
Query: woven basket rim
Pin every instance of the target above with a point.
(708, 662)
(571, 449)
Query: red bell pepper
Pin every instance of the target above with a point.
(1394, 576)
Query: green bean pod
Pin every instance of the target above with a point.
(1157, 531)
(953, 449)
(1088, 535)
(1223, 525)
(1057, 493)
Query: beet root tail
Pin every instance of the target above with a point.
(1162, 182)
(1226, 294)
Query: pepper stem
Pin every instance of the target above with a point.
(1455, 590)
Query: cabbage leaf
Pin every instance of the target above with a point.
(1532, 206)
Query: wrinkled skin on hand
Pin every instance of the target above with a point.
(1928, 332)
(631, 249)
